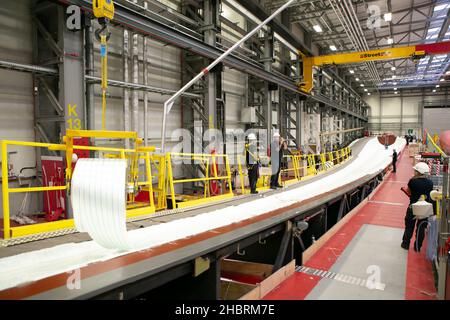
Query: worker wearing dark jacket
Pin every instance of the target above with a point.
(417, 186)
(251, 160)
(394, 161)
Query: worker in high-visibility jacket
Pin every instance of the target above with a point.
(252, 162)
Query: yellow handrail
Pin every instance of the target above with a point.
(12, 232)
(435, 145)
(209, 161)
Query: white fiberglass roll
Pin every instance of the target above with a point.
(98, 201)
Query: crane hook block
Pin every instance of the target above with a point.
(103, 9)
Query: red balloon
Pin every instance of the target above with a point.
(444, 141)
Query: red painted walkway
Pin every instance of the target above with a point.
(387, 207)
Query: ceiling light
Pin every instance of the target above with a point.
(394, 76)
(434, 90)
(362, 85)
(317, 28)
(448, 72)
(393, 68)
(357, 79)
(395, 89)
(394, 83)
(437, 86)
(365, 90)
(442, 80)
(396, 92)
(390, 41)
(388, 16)
(352, 71)
(368, 93)
(333, 48)
(440, 7)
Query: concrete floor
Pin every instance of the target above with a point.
(371, 237)
(373, 249)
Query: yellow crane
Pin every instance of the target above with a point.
(414, 52)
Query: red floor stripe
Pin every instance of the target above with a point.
(419, 282)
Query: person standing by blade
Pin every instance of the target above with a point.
(251, 160)
(275, 157)
(394, 161)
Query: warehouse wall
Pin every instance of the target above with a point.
(402, 111)
(16, 88)
(396, 113)
(436, 120)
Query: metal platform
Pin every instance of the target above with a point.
(195, 262)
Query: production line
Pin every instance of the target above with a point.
(248, 159)
(173, 236)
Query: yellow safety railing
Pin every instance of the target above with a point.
(210, 163)
(8, 231)
(291, 171)
(263, 182)
(299, 167)
(158, 162)
(134, 155)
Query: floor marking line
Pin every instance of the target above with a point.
(396, 181)
(389, 203)
(356, 281)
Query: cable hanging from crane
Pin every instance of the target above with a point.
(104, 12)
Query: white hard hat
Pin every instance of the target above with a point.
(276, 135)
(435, 195)
(422, 168)
(74, 157)
(251, 136)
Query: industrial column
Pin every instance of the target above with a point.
(211, 16)
(71, 75)
(268, 87)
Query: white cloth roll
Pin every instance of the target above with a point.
(99, 201)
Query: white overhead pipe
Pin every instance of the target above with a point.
(357, 36)
(341, 19)
(169, 103)
(146, 95)
(344, 24)
(126, 92)
(360, 36)
(363, 37)
(350, 31)
(357, 40)
(135, 80)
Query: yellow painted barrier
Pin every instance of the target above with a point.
(209, 162)
(132, 155)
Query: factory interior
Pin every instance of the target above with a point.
(225, 150)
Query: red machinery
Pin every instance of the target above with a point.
(214, 187)
(53, 175)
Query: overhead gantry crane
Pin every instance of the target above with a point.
(413, 52)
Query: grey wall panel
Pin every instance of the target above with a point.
(16, 88)
(436, 120)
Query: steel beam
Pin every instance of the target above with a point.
(139, 22)
(276, 26)
(146, 25)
